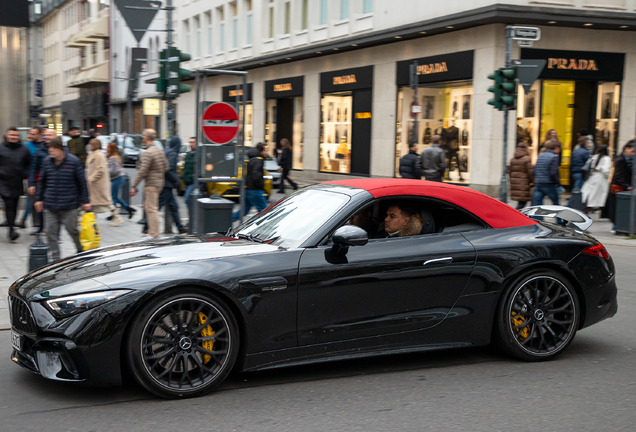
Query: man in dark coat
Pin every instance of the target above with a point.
(60, 192)
(76, 144)
(285, 162)
(546, 174)
(254, 181)
(577, 161)
(622, 180)
(411, 164)
(15, 160)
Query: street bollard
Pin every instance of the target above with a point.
(576, 200)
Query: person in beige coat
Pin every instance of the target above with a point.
(98, 181)
(152, 171)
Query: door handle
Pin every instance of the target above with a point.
(446, 260)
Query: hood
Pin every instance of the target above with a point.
(253, 152)
(90, 271)
(175, 143)
(521, 152)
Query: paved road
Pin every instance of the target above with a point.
(591, 387)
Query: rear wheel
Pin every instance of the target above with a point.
(538, 317)
(183, 344)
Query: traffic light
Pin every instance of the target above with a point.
(169, 80)
(504, 88)
(162, 81)
(509, 87)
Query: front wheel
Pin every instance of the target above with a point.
(538, 317)
(183, 344)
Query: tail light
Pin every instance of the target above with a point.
(598, 250)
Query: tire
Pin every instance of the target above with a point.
(171, 351)
(548, 305)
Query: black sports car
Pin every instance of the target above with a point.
(321, 275)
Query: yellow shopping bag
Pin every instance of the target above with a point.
(90, 236)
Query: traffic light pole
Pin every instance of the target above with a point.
(503, 187)
(169, 42)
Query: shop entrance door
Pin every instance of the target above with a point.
(285, 121)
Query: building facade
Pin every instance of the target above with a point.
(332, 76)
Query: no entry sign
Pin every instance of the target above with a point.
(220, 122)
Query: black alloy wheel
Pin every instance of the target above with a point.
(538, 317)
(183, 344)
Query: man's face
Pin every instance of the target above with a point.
(395, 221)
(74, 133)
(33, 135)
(557, 150)
(49, 135)
(56, 153)
(193, 144)
(629, 152)
(13, 136)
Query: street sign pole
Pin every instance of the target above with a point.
(503, 188)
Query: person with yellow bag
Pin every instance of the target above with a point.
(60, 192)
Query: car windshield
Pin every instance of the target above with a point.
(294, 219)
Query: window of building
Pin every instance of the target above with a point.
(344, 9)
(324, 9)
(186, 32)
(304, 17)
(197, 26)
(234, 9)
(208, 18)
(287, 18)
(271, 22)
(220, 15)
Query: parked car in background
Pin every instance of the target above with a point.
(274, 170)
(129, 148)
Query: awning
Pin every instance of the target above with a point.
(97, 74)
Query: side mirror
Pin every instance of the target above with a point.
(349, 235)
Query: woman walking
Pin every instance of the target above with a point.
(285, 162)
(521, 176)
(116, 171)
(98, 182)
(595, 189)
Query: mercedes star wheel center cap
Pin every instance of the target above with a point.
(185, 343)
(538, 314)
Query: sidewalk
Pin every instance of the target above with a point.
(14, 257)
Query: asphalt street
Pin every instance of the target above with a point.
(591, 387)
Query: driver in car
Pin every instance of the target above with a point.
(401, 221)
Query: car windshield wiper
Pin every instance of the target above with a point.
(250, 237)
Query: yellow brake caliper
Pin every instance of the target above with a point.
(523, 333)
(207, 332)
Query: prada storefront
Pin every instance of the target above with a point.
(345, 121)
(234, 94)
(576, 90)
(445, 93)
(284, 115)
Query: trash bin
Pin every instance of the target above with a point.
(576, 200)
(622, 212)
(214, 215)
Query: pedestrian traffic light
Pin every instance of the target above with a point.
(504, 88)
(496, 89)
(509, 87)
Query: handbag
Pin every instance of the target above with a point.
(585, 171)
(614, 188)
(90, 235)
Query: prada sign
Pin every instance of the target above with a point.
(346, 80)
(284, 88)
(446, 67)
(234, 94)
(578, 65)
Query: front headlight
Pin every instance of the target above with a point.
(67, 306)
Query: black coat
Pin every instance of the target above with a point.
(285, 159)
(36, 166)
(63, 186)
(622, 172)
(15, 160)
(411, 166)
(255, 170)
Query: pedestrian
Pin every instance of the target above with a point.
(98, 179)
(434, 160)
(188, 173)
(411, 164)
(546, 174)
(591, 146)
(60, 192)
(166, 197)
(152, 171)
(578, 160)
(621, 181)
(35, 137)
(595, 190)
(76, 144)
(254, 181)
(285, 161)
(117, 177)
(15, 160)
(521, 176)
(41, 153)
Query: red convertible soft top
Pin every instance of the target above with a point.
(493, 212)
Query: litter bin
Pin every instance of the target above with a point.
(622, 212)
(214, 215)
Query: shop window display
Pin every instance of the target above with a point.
(607, 115)
(447, 110)
(528, 117)
(335, 132)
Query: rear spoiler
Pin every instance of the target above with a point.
(565, 216)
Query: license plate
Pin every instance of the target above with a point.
(16, 340)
